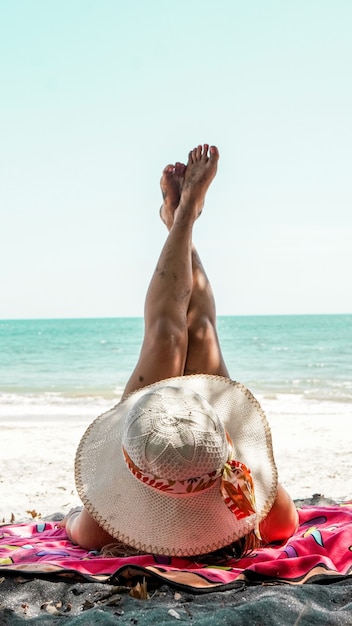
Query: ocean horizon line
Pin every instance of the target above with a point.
(140, 317)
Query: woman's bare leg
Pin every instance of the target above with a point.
(165, 345)
(204, 352)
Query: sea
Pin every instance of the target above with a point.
(52, 368)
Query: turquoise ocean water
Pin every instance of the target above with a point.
(80, 366)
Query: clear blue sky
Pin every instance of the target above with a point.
(97, 96)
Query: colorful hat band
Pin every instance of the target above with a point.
(175, 487)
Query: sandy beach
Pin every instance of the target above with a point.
(312, 452)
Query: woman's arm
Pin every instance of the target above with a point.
(82, 529)
(282, 519)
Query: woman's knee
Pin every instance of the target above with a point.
(202, 330)
(169, 338)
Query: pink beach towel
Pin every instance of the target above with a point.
(320, 551)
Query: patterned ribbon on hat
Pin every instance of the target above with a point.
(237, 488)
(236, 485)
(176, 487)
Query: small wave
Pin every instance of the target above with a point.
(290, 405)
(54, 404)
(297, 404)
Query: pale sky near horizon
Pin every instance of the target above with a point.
(97, 96)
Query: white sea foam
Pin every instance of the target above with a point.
(288, 405)
(51, 405)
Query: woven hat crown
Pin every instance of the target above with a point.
(174, 434)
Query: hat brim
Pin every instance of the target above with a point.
(156, 522)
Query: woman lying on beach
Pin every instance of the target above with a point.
(183, 465)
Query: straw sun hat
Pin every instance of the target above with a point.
(182, 467)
